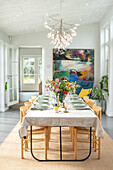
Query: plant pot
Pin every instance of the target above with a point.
(97, 102)
(101, 104)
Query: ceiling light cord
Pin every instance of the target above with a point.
(60, 8)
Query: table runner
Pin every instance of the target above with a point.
(77, 118)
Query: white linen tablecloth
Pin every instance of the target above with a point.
(77, 118)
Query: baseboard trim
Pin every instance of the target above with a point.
(3, 110)
(110, 114)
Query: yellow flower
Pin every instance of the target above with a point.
(69, 87)
(67, 84)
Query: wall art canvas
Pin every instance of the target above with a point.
(73, 64)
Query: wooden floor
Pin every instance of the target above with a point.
(10, 154)
(8, 121)
(107, 123)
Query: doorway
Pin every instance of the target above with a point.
(30, 69)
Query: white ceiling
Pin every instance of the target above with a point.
(25, 16)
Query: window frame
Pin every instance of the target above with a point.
(106, 44)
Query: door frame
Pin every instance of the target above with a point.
(8, 75)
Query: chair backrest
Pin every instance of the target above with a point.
(97, 110)
(28, 104)
(34, 97)
(32, 100)
(88, 100)
(23, 110)
(91, 104)
(85, 98)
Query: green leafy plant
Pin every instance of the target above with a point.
(104, 84)
(98, 94)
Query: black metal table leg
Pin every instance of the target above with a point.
(60, 150)
(60, 144)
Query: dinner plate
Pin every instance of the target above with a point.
(80, 105)
(74, 98)
(42, 106)
(77, 101)
(81, 108)
(43, 101)
(44, 98)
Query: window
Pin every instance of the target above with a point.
(106, 49)
(39, 70)
(107, 34)
(106, 59)
(29, 70)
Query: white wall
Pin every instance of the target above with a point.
(30, 51)
(4, 37)
(108, 19)
(87, 37)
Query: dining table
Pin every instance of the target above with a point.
(73, 118)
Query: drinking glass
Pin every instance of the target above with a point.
(68, 102)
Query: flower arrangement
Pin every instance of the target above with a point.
(63, 87)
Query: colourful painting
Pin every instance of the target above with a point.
(73, 64)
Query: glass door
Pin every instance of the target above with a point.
(29, 73)
(12, 84)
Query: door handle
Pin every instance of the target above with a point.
(9, 76)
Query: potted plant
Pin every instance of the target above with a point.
(104, 87)
(97, 96)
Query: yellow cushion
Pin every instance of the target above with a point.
(85, 92)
